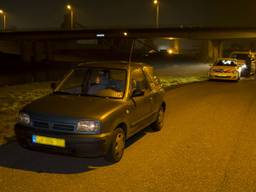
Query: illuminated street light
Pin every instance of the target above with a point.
(4, 19)
(170, 51)
(157, 4)
(69, 8)
(125, 33)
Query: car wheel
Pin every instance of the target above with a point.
(238, 78)
(243, 73)
(248, 73)
(159, 123)
(117, 146)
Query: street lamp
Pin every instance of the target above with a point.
(69, 8)
(157, 4)
(4, 19)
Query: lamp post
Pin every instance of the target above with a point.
(4, 19)
(157, 4)
(69, 8)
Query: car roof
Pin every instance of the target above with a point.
(243, 52)
(227, 59)
(113, 64)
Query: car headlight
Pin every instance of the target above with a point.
(24, 119)
(88, 126)
(244, 66)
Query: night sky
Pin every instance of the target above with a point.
(131, 13)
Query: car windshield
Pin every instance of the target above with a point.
(225, 63)
(97, 82)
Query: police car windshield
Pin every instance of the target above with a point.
(225, 63)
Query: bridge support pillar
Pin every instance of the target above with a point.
(36, 51)
(215, 49)
(49, 51)
(26, 51)
(177, 46)
(39, 51)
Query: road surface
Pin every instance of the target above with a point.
(207, 144)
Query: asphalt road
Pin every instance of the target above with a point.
(207, 144)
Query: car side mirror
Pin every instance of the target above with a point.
(156, 79)
(137, 93)
(53, 85)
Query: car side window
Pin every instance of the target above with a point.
(139, 80)
(153, 81)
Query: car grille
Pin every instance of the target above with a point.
(40, 124)
(217, 76)
(218, 70)
(63, 127)
(53, 125)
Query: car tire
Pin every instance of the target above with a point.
(159, 123)
(238, 78)
(243, 73)
(117, 146)
(24, 145)
(247, 72)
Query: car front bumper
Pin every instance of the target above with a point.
(223, 76)
(75, 144)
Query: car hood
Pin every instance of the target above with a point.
(77, 107)
(224, 68)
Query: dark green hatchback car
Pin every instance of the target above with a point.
(93, 110)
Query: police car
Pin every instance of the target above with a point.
(226, 69)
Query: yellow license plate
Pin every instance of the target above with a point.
(48, 141)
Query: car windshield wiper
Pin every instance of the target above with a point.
(106, 97)
(63, 93)
(85, 94)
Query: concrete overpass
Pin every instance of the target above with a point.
(40, 44)
(182, 32)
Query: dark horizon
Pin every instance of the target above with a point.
(28, 14)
